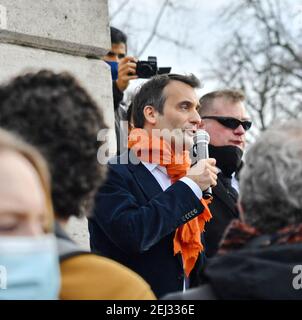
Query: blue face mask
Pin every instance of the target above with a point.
(29, 268)
(114, 69)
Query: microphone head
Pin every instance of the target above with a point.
(201, 136)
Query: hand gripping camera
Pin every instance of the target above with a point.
(148, 69)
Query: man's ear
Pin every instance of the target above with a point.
(150, 115)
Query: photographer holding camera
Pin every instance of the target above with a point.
(123, 69)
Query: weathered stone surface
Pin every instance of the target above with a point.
(93, 74)
(79, 27)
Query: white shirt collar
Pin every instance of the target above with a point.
(150, 166)
(153, 166)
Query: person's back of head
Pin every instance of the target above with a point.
(271, 180)
(56, 114)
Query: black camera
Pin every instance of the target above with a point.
(148, 69)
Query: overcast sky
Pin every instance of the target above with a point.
(195, 25)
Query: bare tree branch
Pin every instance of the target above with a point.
(263, 59)
(119, 9)
(174, 41)
(155, 26)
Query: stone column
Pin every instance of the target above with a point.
(61, 35)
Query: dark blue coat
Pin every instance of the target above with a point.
(134, 223)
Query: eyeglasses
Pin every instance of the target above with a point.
(230, 122)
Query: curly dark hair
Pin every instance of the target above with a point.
(56, 115)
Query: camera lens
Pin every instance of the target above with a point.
(146, 70)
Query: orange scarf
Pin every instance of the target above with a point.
(187, 239)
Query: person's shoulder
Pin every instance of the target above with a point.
(122, 159)
(94, 277)
(118, 165)
(124, 162)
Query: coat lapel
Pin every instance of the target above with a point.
(144, 178)
(148, 184)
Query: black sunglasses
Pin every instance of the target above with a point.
(230, 122)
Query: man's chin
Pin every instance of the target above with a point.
(238, 145)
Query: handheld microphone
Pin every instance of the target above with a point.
(201, 151)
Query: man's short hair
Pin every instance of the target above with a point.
(206, 101)
(151, 93)
(117, 36)
(57, 116)
(271, 179)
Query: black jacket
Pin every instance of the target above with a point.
(223, 209)
(251, 273)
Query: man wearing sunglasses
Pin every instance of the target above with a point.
(225, 119)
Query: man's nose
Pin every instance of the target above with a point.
(239, 130)
(116, 59)
(195, 117)
(201, 124)
(33, 228)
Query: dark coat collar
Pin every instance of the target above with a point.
(146, 181)
(220, 192)
(144, 178)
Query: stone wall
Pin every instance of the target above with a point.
(61, 35)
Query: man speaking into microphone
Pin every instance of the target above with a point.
(150, 214)
(225, 119)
